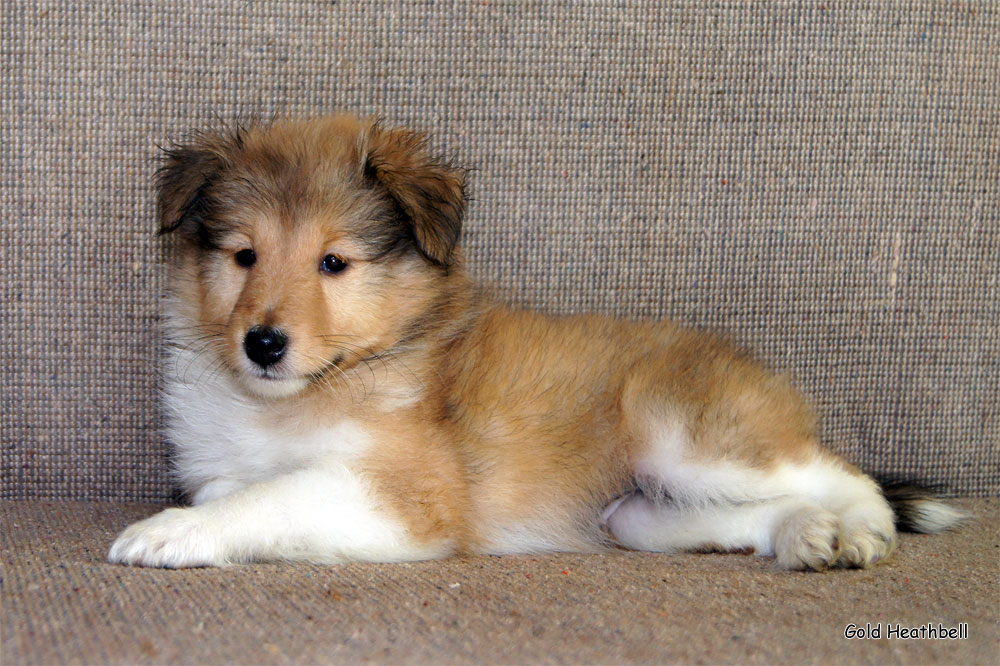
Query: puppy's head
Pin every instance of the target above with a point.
(308, 247)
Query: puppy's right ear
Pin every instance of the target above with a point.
(182, 181)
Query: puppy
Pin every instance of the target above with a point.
(337, 389)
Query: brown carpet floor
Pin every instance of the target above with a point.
(62, 603)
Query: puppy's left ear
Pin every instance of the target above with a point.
(429, 193)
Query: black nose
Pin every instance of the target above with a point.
(265, 346)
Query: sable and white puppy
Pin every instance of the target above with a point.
(338, 390)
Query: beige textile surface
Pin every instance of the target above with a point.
(819, 179)
(63, 604)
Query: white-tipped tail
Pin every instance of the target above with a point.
(919, 510)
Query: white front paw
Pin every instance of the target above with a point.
(174, 539)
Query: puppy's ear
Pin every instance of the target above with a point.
(430, 194)
(182, 180)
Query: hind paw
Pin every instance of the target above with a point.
(865, 543)
(808, 539)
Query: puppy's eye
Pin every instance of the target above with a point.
(246, 258)
(332, 264)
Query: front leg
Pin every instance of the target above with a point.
(323, 515)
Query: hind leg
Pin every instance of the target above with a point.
(802, 529)
(726, 456)
(732, 448)
(800, 534)
(809, 513)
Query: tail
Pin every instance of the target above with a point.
(919, 509)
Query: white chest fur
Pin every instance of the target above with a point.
(224, 440)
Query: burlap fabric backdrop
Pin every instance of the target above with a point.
(818, 179)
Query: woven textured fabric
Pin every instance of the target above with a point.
(63, 604)
(818, 179)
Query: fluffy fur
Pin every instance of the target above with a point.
(410, 417)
